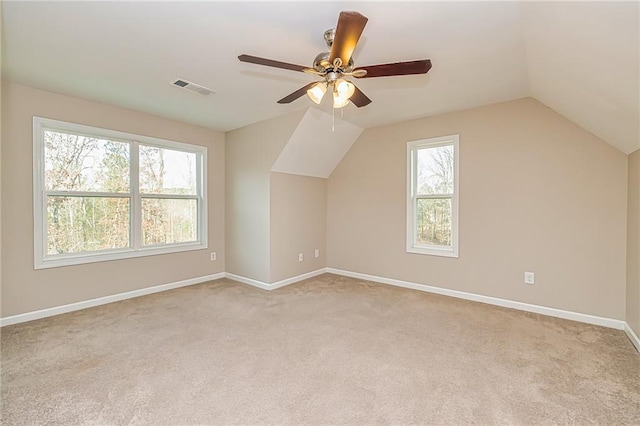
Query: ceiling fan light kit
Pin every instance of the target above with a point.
(317, 92)
(342, 92)
(336, 64)
(339, 102)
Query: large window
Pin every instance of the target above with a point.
(432, 196)
(104, 195)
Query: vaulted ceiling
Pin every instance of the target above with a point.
(579, 58)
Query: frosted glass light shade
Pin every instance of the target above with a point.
(344, 88)
(342, 91)
(339, 101)
(317, 92)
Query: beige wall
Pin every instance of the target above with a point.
(633, 244)
(537, 193)
(1, 82)
(298, 224)
(23, 288)
(250, 153)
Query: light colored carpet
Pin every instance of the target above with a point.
(330, 350)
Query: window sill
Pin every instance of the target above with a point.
(433, 251)
(80, 259)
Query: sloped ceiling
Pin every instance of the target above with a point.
(579, 58)
(582, 61)
(317, 145)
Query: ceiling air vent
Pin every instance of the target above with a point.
(193, 87)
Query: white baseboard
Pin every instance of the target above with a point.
(248, 281)
(632, 336)
(57, 310)
(559, 313)
(278, 284)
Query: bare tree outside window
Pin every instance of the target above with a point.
(168, 173)
(103, 195)
(435, 178)
(84, 175)
(432, 196)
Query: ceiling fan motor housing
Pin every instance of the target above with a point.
(332, 76)
(322, 64)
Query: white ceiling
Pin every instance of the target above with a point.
(579, 58)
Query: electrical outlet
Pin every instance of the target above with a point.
(213, 256)
(300, 257)
(317, 253)
(529, 278)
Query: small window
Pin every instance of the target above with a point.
(104, 195)
(432, 196)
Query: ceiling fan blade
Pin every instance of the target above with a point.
(312, 71)
(295, 95)
(348, 31)
(398, 68)
(270, 63)
(359, 99)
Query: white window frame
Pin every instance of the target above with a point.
(412, 229)
(43, 260)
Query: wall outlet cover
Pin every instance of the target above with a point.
(529, 278)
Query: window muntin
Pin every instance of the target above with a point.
(105, 195)
(432, 196)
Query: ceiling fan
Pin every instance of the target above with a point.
(336, 64)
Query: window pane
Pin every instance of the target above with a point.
(84, 224)
(166, 221)
(435, 170)
(83, 163)
(166, 171)
(434, 221)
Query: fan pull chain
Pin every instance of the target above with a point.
(333, 119)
